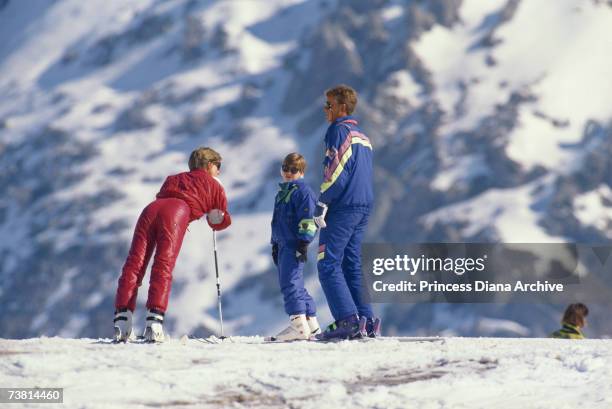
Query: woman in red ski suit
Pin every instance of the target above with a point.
(183, 198)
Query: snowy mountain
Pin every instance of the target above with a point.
(490, 121)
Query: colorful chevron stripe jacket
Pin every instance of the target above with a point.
(294, 207)
(568, 331)
(348, 172)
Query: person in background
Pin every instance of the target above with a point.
(574, 319)
(293, 229)
(183, 198)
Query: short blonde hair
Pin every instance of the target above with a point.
(343, 94)
(201, 157)
(295, 160)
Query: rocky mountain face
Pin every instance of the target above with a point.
(89, 131)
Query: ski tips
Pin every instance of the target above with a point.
(211, 339)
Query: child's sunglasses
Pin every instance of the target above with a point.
(293, 170)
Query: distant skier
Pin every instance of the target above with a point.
(293, 228)
(343, 208)
(574, 319)
(182, 199)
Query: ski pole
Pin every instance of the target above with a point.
(218, 283)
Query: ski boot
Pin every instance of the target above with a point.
(313, 325)
(369, 327)
(154, 331)
(347, 328)
(123, 325)
(373, 327)
(332, 326)
(298, 329)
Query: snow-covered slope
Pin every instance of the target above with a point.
(385, 373)
(490, 121)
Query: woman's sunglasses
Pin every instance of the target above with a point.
(217, 164)
(293, 170)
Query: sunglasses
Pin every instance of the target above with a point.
(328, 106)
(217, 164)
(293, 170)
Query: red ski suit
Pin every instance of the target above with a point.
(162, 224)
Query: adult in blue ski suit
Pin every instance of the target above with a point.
(293, 228)
(343, 207)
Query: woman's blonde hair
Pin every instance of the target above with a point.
(200, 158)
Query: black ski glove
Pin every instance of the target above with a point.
(301, 252)
(275, 254)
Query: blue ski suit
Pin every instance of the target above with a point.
(347, 191)
(293, 222)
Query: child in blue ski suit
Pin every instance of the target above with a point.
(293, 228)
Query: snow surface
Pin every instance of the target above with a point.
(382, 373)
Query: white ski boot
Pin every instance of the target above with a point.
(297, 330)
(154, 331)
(123, 325)
(313, 325)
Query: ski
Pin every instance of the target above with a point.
(273, 340)
(136, 340)
(209, 340)
(381, 338)
(367, 339)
